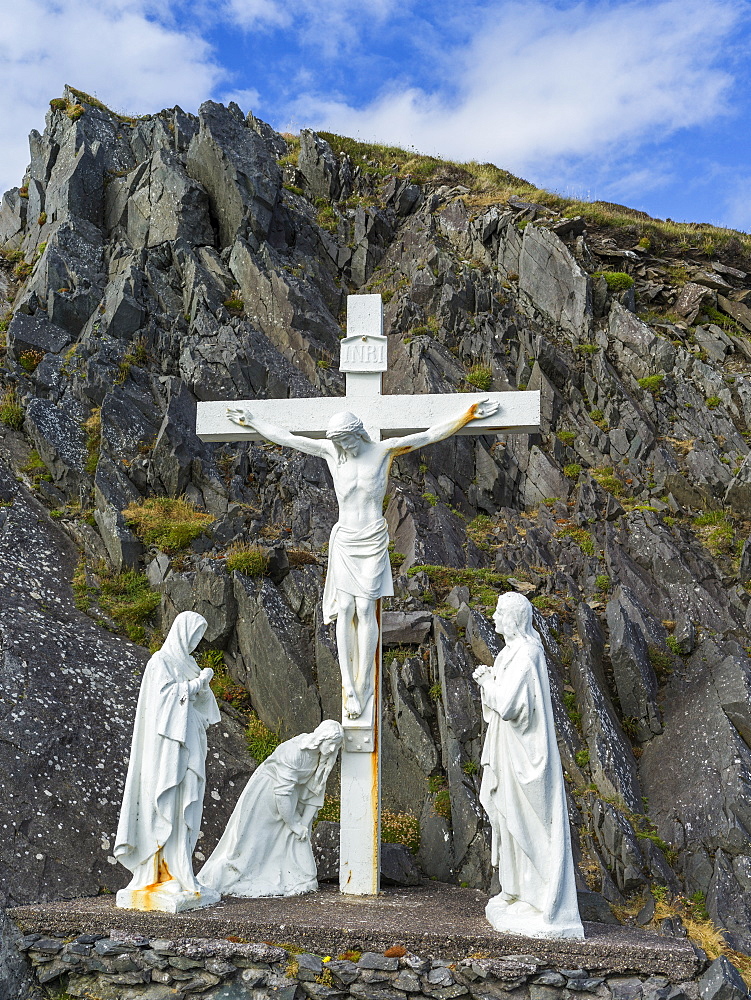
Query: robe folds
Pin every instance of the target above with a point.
(258, 855)
(160, 816)
(358, 564)
(523, 793)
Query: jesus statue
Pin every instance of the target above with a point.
(359, 570)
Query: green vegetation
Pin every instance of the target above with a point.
(587, 348)
(484, 584)
(247, 559)
(490, 185)
(470, 767)
(169, 523)
(673, 645)
(713, 402)
(125, 597)
(572, 710)
(661, 661)
(572, 471)
(22, 270)
(480, 376)
(582, 758)
(652, 383)
(93, 428)
(715, 529)
(435, 691)
(480, 530)
(602, 582)
(438, 787)
(30, 360)
(400, 828)
(608, 480)
(546, 602)
(327, 217)
(137, 355)
(617, 281)
(42, 218)
(129, 600)
(234, 304)
(396, 558)
(11, 411)
(261, 740)
(428, 329)
(597, 416)
(396, 827)
(222, 684)
(35, 469)
(727, 323)
(566, 437)
(579, 535)
(432, 498)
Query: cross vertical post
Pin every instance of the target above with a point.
(363, 360)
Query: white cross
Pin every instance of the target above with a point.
(363, 359)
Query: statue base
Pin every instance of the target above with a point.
(521, 918)
(163, 897)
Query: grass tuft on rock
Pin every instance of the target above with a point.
(617, 281)
(247, 559)
(485, 585)
(261, 740)
(11, 411)
(169, 523)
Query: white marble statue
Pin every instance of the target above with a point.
(522, 786)
(266, 849)
(162, 805)
(359, 571)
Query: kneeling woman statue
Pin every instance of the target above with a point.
(266, 849)
(522, 786)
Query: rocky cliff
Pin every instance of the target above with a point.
(149, 263)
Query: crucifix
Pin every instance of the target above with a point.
(359, 436)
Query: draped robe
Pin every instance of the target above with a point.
(258, 855)
(523, 794)
(160, 817)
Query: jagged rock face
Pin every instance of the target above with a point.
(181, 258)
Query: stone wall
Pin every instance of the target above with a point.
(123, 966)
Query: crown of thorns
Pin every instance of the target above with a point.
(344, 423)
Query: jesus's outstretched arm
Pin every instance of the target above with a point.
(278, 435)
(403, 445)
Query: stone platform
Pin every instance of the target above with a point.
(437, 920)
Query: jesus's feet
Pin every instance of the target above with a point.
(352, 706)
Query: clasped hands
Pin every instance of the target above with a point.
(481, 674)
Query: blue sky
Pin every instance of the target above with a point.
(643, 103)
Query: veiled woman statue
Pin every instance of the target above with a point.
(162, 805)
(522, 786)
(266, 849)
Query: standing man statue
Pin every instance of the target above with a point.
(359, 569)
(522, 787)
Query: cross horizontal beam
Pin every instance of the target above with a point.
(396, 415)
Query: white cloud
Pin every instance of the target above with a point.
(737, 213)
(129, 53)
(542, 83)
(247, 99)
(328, 26)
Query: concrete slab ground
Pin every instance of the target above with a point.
(436, 920)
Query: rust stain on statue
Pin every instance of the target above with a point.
(143, 898)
